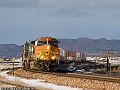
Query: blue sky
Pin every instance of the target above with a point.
(22, 20)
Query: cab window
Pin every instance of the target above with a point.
(41, 43)
(53, 43)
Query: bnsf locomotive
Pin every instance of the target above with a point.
(41, 54)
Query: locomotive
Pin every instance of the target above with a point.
(41, 54)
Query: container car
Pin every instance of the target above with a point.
(68, 56)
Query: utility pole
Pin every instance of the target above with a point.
(108, 54)
(108, 57)
(13, 65)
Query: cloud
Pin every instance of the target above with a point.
(69, 13)
(18, 3)
(64, 8)
(106, 4)
(36, 18)
(77, 8)
(85, 4)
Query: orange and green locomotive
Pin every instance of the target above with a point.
(41, 54)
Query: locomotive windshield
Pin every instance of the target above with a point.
(41, 43)
(53, 43)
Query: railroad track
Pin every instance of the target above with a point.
(15, 86)
(99, 77)
(4, 69)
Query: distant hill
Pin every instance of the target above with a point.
(84, 45)
(90, 46)
(10, 50)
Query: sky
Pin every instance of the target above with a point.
(22, 20)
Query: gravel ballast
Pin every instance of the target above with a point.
(69, 81)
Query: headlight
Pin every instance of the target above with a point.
(48, 47)
(41, 57)
(53, 57)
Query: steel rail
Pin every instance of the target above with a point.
(22, 87)
(8, 83)
(98, 77)
(16, 86)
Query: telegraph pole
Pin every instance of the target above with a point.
(108, 57)
(107, 54)
(13, 65)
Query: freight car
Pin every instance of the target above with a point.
(41, 54)
(70, 56)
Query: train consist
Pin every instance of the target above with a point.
(44, 54)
